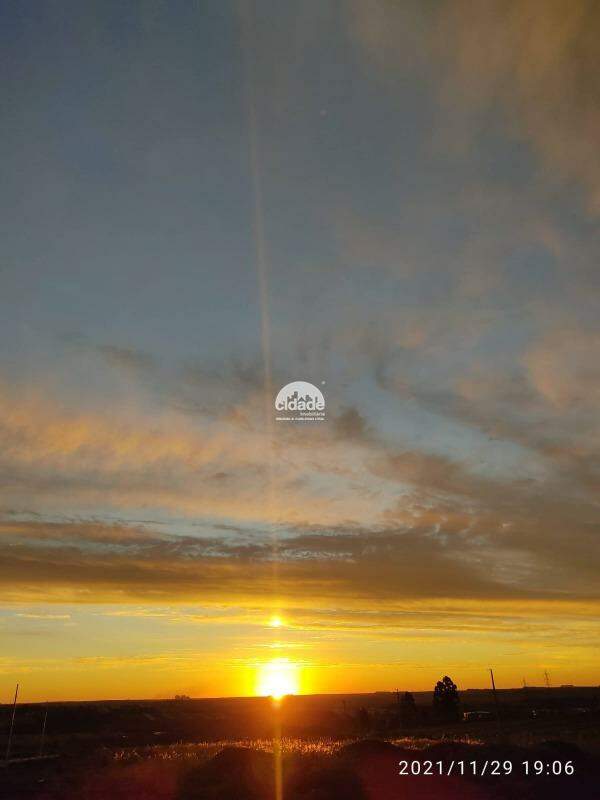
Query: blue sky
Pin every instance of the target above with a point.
(372, 196)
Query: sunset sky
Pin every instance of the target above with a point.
(201, 202)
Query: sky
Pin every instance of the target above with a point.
(201, 202)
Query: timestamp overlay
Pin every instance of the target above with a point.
(483, 767)
(548, 770)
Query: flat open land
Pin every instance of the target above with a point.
(235, 748)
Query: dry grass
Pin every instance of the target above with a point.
(199, 752)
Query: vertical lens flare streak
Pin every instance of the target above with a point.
(276, 679)
(274, 685)
(249, 48)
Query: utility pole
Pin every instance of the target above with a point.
(495, 696)
(12, 723)
(43, 736)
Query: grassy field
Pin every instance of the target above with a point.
(226, 750)
(319, 769)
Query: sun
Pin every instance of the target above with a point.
(277, 678)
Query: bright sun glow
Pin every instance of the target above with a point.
(277, 678)
(275, 622)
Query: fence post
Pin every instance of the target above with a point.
(12, 723)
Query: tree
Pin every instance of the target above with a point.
(446, 700)
(408, 709)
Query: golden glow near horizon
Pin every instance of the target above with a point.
(277, 678)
